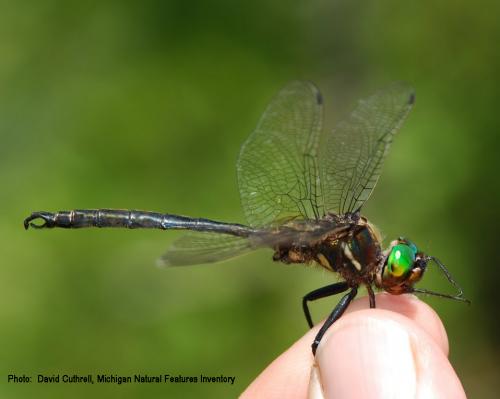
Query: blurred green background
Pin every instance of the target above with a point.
(145, 105)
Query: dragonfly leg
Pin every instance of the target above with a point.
(322, 292)
(371, 296)
(334, 316)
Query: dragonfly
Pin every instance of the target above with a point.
(302, 189)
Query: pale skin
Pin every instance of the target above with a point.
(398, 350)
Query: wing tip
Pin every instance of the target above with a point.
(408, 90)
(319, 98)
(411, 98)
(317, 93)
(306, 85)
(162, 263)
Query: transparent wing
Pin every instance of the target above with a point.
(203, 247)
(351, 157)
(277, 171)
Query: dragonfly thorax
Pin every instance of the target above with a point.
(356, 257)
(352, 250)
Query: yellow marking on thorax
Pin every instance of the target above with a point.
(350, 256)
(323, 261)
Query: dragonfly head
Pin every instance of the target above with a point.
(403, 266)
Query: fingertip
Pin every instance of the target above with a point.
(377, 353)
(363, 354)
(398, 350)
(414, 309)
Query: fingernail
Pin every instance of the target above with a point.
(367, 358)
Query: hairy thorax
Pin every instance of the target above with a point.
(350, 248)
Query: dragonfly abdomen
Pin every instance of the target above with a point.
(132, 219)
(82, 218)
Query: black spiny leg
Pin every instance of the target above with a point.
(337, 312)
(322, 292)
(371, 296)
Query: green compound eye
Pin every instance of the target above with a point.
(401, 259)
